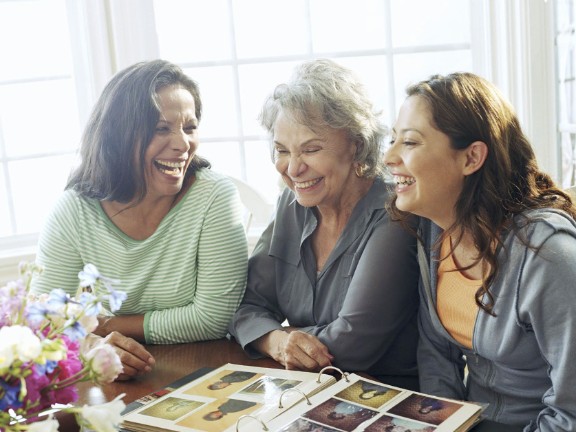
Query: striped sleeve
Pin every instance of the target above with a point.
(58, 248)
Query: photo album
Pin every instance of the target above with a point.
(248, 399)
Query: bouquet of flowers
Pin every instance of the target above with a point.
(43, 353)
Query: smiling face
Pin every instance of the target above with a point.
(428, 172)
(317, 165)
(174, 143)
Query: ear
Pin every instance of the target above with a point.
(476, 154)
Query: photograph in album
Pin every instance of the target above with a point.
(216, 400)
(252, 399)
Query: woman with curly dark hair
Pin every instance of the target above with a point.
(497, 250)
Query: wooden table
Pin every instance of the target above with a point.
(175, 361)
(172, 362)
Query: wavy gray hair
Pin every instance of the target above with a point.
(323, 93)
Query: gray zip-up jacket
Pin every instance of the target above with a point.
(523, 359)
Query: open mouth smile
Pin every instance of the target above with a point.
(170, 167)
(307, 184)
(404, 181)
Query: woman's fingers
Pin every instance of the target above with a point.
(135, 359)
(306, 352)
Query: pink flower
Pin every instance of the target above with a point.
(35, 383)
(104, 363)
(66, 369)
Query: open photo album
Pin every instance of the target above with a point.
(251, 399)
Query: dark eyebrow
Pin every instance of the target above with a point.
(411, 130)
(408, 130)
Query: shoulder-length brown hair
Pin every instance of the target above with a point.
(468, 108)
(120, 129)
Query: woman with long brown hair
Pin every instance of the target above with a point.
(497, 251)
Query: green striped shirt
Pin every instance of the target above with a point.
(187, 278)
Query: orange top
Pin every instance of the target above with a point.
(455, 299)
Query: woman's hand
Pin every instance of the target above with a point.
(134, 357)
(295, 350)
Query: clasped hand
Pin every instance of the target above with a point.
(295, 350)
(136, 360)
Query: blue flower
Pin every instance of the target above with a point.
(89, 276)
(115, 299)
(47, 368)
(74, 330)
(10, 398)
(58, 297)
(36, 312)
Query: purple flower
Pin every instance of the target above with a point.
(11, 298)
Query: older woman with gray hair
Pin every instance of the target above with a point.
(332, 265)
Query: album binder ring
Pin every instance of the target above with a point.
(344, 374)
(264, 427)
(296, 390)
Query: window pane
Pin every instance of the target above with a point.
(372, 71)
(225, 157)
(260, 170)
(39, 117)
(566, 67)
(35, 39)
(344, 25)
(36, 185)
(568, 159)
(564, 15)
(193, 30)
(5, 224)
(411, 68)
(220, 108)
(256, 83)
(281, 28)
(431, 25)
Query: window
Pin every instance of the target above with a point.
(239, 51)
(566, 60)
(63, 52)
(39, 123)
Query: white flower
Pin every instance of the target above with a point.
(105, 417)
(104, 363)
(18, 342)
(49, 425)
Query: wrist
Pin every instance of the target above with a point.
(269, 344)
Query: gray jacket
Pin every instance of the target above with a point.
(522, 361)
(362, 305)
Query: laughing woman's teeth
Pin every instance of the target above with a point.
(405, 181)
(307, 184)
(169, 167)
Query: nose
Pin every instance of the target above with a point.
(391, 156)
(182, 142)
(295, 166)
